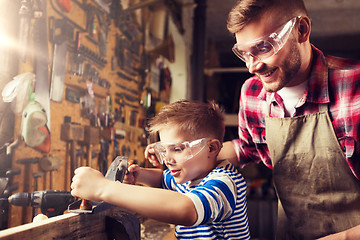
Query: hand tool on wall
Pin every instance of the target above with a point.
(59, 59)
(80, 155)
(6, 188)
(11, 173)
(103, 31)
(72, 95)
(48, 164)
(116, 172)
(51, 202)
(7, 147)
(77, 60)
(82, 29)
(25, 15)
(36, 176)
(91, 56)
(65, 5)
(126, 77)
(11, 189)
(91, 137)
(27, 162)
(127, 89)
(103, 155)
(72, 133)
(116, 148)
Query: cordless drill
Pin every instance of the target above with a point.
(51, 202)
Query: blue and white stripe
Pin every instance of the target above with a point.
(220, 201)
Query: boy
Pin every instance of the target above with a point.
(204, 197)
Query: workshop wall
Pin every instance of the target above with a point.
(103, 85)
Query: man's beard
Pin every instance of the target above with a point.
(288, 69)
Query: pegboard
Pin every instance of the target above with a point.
(104, 65)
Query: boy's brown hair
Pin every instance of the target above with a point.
(247, 10)
(194, 118)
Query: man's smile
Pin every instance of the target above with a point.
(266, 74)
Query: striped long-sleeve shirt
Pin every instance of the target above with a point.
(220, 202)
(335, 81)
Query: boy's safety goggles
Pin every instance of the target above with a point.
(265, 46)
(178, 152)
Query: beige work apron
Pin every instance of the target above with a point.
(318, 194)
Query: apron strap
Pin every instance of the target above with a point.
(269, 100)
(323, 107)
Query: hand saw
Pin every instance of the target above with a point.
(59, 58)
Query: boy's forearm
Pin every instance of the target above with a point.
(151, 177)
(162, 205)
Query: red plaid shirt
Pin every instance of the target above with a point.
(333, 80)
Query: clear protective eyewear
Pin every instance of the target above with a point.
(265, 46)
(178, 152)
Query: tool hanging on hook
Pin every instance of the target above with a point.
(25, 15)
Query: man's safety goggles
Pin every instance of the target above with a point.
(265, 46)
(178, 152)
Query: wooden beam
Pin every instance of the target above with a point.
(113, 223)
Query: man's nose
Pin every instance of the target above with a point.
(253, 64)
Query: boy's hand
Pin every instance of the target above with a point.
(132, 174)
(150, 155)
(88, 183)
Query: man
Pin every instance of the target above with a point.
(300, 116)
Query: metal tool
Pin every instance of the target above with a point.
(72, 133)
(59, 59)
(51, 202)
(25, 14)
(48, 164)
(103, 156)
(91, 138)
(36, 180)
(116, 172)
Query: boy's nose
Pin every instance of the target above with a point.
(169, 160)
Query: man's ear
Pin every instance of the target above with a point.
(304, 29)
(214, 147)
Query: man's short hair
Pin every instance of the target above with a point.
(247, 10)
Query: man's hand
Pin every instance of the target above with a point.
(350, 234)
(150, 155)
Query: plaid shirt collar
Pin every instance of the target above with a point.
(318, 80)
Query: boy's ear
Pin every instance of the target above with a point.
(214, 147)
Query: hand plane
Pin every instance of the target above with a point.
(116, 172)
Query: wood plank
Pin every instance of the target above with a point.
(80, 226)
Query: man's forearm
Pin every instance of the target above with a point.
(228, 153)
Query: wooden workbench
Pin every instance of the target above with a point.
(113, 223)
